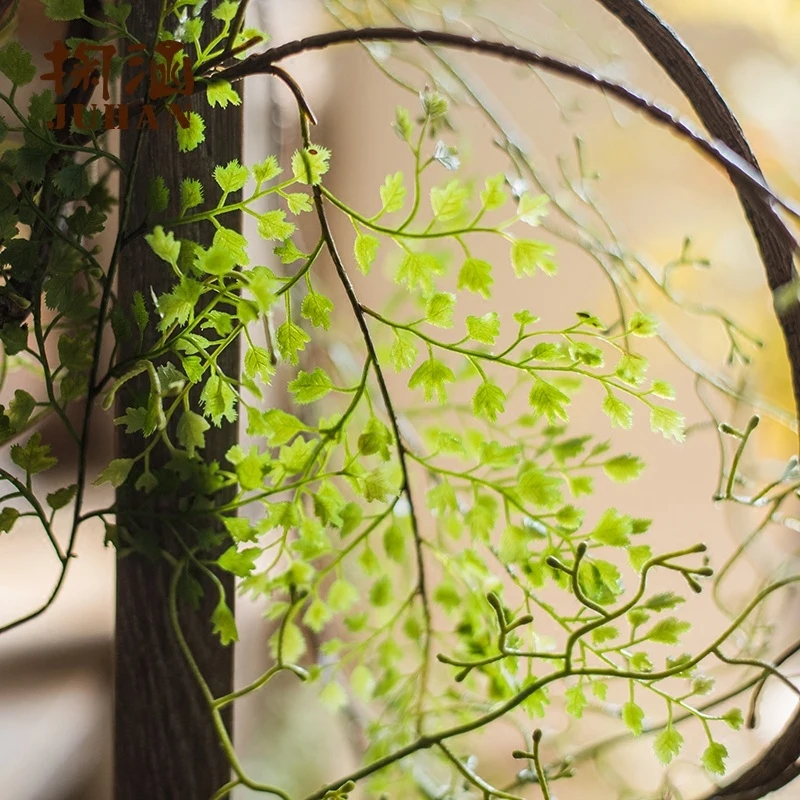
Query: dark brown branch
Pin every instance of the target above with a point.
(358, 311)
(777, 766)
(718, 151)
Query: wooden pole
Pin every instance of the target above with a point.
(165, 746)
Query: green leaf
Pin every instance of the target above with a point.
(62, 497)
(342, 595)
(282, 426)
(642, 325)
(475, 275)
(625, 468)
(668, 630)
(394, 543)
(567, 449)
(225, 11)
(376, 485)
(258, 363)
(217, 260)
(221, 93)
(317, 616)
(291, 340)
(8, 516)
(308, 387)
(317, 309)
(261, 284)
(393, 193)
(548, 400)
(576, 701)
(613, 529)
(734, 718)
(191, 431)
(157, 195)
(668, 422)
(532, 209)
(434, 104)
(380, 594)
(641, 525)
(547, 351)
(484, 329)
(333, 697)
(664, 601)
(402, 123)
(606, 633)
(116, 473)
(191, 193)
(667, 745)
(703, 684)
(139, 311)
(164, 245)
(403, 353)
(633, 717)
(439, 309)
(20, 409)
(224, 623)
(266, 170)
(63, 10)
(299, 202)
(619, 412)
(288, 252)
(178, 306)
(375, 439)
(447, 596)
(134, 419)
(662, 389)
(489, 401)
(288, 648)
(527, 256)
(239, 563)
(640, 662)
(418, 270)
(631, 369)
(362, 682)
(600, 690)
(514, 545)
(232, 177)
(273, 226)
(541, 489)
(639, 554)
(310, 164)
(713, 758)
(449, 202)
(218, 400)
(33, 457)
(42, 107)
(431, 376)
(493, 196)
(365, 250)
(192, 136)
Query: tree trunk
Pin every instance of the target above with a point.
(165, 745)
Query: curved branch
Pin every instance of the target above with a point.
(718, 151)
(777, 766)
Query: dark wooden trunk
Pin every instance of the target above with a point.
(165, 746)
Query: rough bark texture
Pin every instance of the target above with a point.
(776, 766)
(165, 745)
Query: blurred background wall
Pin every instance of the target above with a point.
(54, 701)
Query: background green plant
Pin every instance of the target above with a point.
(455, 552)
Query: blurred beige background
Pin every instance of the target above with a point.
(653, 190)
